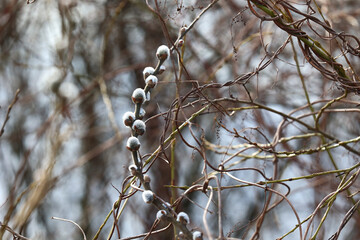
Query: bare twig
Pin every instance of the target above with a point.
(70, 221)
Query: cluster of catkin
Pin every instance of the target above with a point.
(134, 121)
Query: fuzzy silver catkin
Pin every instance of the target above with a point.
(133, 144)
(148, 71)
(183, 218)
(160, 214)
(148, 196)
(197, 235)
(139, 127)
(162, 69)
(128, 119)
(151, 81)
(142, 113)
(133, 169)
(138, 96)
(163, 52)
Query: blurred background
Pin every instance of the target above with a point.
(76, 63)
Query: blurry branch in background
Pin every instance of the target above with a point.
(15, 235)
(101, 80)
(7, 116)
